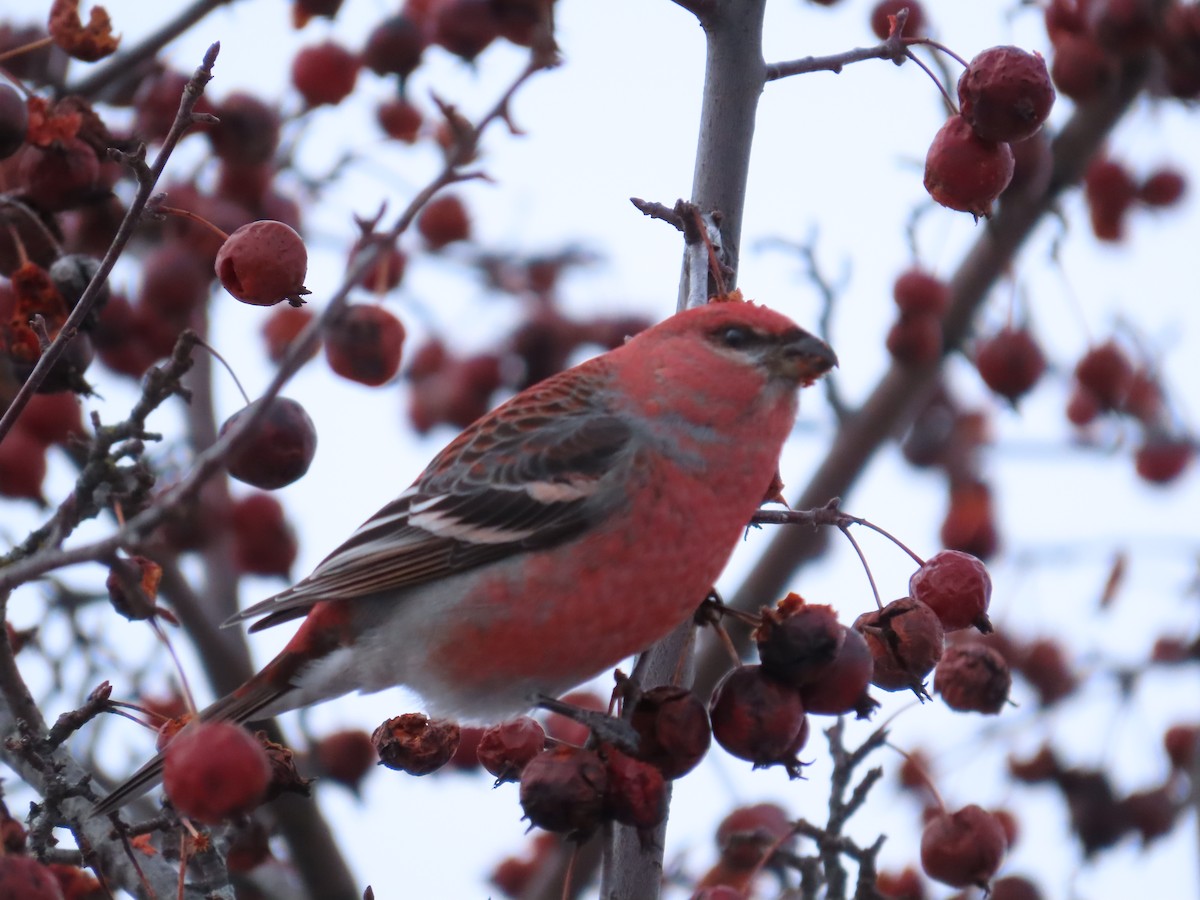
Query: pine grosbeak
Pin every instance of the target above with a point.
(571, 527)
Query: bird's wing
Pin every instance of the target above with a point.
(526, 476)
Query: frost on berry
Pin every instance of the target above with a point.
(965, 172)
(415, 744)
(905, 639)
(798, 641)
(758, 719)
(505, 748)
(1005, 94)
(213, 770)
(963, 848)
(973, 678)
(263, 263)
(673, 729)
(563, 789)
(957, 587)
(279, 448)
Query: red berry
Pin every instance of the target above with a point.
(1044, 665)
(364, 344)
(1033, 167)
(22, 466)
(1124, 26)
(917, 292)
(263, 262)
(963, 848)
(965, 172)
(282, 327)
(842, 687)
(563, 789)
(415, 744)
(279, 448)
(798, 641)
(399, 119)
(443, 221)
(1005, 93)
(465, 27)
(673, 729)
(916, 340)
(264, 543)
(957, 587)
(385, 272)
(1081, 68)
(1153, 812)
(758, 719)
(1107, 372)
(1162, 458)
(1181, 743)
(505, 748)
(325, 74)
(1083, 407)
(394, 47)
(884, 10)
(346, 756)
(903, 885)
(60, 175)
(1164, 187)
(1110, 191)
(214, 770)
(970, 523)
(24, 878)
(973, 678)
(14, 120)
(1010, 362)
(248, 130)
(905, 639)
(52, 418)
(175, 280)
(749, 831)
(635, 793)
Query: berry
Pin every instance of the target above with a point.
(504, 749)
(1124, 26)
(973, 678)
(1162, 458)
(1181, 743)
(443, 221)
(673, 729)
(214, 770)
(263, 262)
(346, 756)
(916, 340)
(24, 878)
(963, 848)
(749, 831)
(175, 280)
(903, 885)
(264, 543)
(1110, 191)
(415, 744)
(399, 119)
(279, 448)
(465, 27)
(1033, 168)
(52, 418)
(884, 10)
(325, 73)
(797, 641)
(563, 789)
(905, 638)
(385, 272)
(282, 327)
(248, 130)
(957, 587)
(60, 175)
(1010, 362)
(965, 172)
(1083, 407)
(1163, 187)
(635, 793)
(394, 47)
(970, 523)
(917, 292)
(1045, 667)
(22, 466)
(364, 344)
(757, 719)
(842, 686)
(1005, 93)
(1107, 372)
(14, 120)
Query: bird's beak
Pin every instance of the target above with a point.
(805, 358)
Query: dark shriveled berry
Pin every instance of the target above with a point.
(415, 744)
(505, 748)
(963, 848)
(1005, 94)
(797, 641)
(636, 792)
(842, 687)
(758, 719)
(905, 639)
(973, 678)
(563, 790)
(673, 729)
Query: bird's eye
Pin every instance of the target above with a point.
(735, 336)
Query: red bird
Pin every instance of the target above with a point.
(571, 527)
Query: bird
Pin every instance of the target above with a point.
(570, 528)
